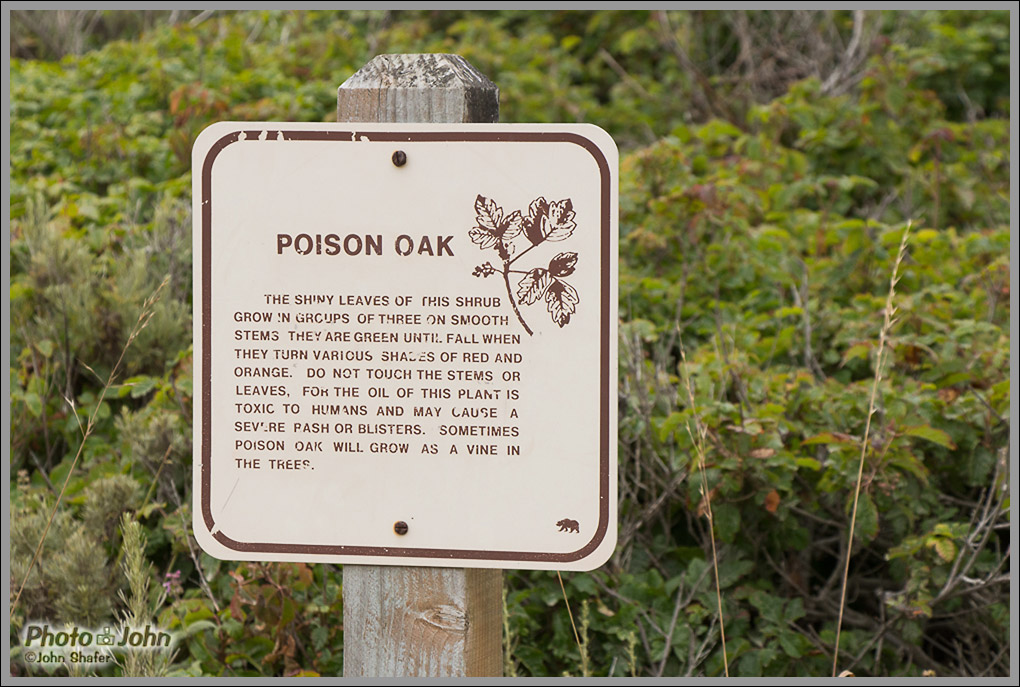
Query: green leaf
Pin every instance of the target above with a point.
(726, 518)
(670, 424)
(45, 347)
(867, 518)
(770, 607)
(909, 463)
(148, 509)
(19, 291)
(809, 463)
(829, 438)
(750, 664)
(584, 583)
(199, 615)
(570, 41)
(856, 351)
(732, 570)
(194, 628)
(34, 404)
(954, 378)
(140, 385)
(320, 635)
(931, 434)
(945, 548)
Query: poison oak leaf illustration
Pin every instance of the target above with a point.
(487, 213)
(536, 221)
(483, 237)
(563, 265)
(561, 220)
(561, 299)
(533, 286)
(545, 221)
(549, 221)
(492, 226)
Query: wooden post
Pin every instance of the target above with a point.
(404, 621)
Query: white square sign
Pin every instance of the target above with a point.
(405, 341)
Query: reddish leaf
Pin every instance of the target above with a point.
(772, 501)
(561, 298)
(533, 286)
(235, 607)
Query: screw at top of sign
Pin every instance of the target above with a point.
(399, 158)
(400, 527)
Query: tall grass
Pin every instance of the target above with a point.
(883, 336)
(144, 317)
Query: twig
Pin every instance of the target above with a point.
(987, 405)
(681, 602)
(622, 73)
(874, 641)
(653, 508)
(201, 17)
(883, 335)
(800, 299)
(713, 103)
(850, 58)
(46, 478)
(204, 583)
(155, 479)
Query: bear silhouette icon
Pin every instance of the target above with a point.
(566, 525)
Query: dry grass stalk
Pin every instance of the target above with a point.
(883, 336)
(706, 494)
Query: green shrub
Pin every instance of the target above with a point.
(762, 202)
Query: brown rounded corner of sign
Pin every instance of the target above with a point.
(217, 147)
(595, 151)
(207, 517)
(593, 544)
(228, 542)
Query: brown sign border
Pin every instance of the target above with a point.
(348, 136)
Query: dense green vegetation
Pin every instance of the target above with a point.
(770, 164)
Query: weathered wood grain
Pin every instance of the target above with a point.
(418, 88)
(404, 621)
(422, 622)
